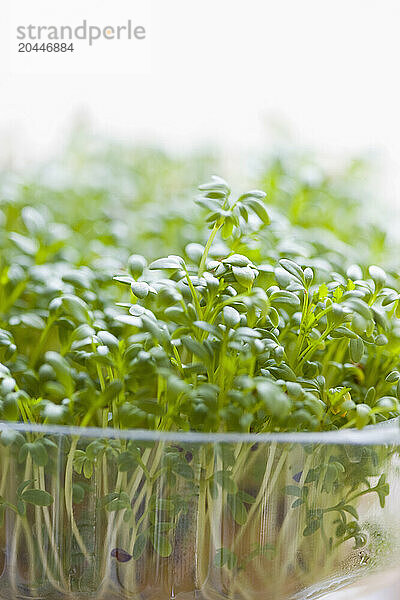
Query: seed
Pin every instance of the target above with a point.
(121, 555)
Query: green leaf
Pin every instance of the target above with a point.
(285, 297)
(140, 289)
(39, 454)
(308, 276)
(382, 489)
(223, 478)
(127, 461)
(32, 320)
(343, 331)
(237, 260)
(356, 349)
(128, 514)
(60, 366)
(363, 413)
(231, 316)
(27, 245)
(159, 527)
(361, 308)
(23, 486)
(184, 470)
(390, 298)
(387, 404)
(196, 348)
(392, 377)
(370, 396)
(75, 307)
(37, 497)
(78, 493)
(136, 265)
(381, 340)
(257, 207)
(150, 407)
(162, 545)
(178, 315)
(10, 406)
(378, 276)
(257, 194)
(171, 262)
(119, 502)
(216, 184)
(312, 526)
(293, 490)
(88, 468)
(125, 279)
(237, 508)
(130, 320)
(283, 371)
(111, 391)
(227, 228)
(139, 546)
(33, 219)
(297, 502)
(359, 323)
(36, 450)
(108, 498)
(244, 276)
(245, 497)
(293, 268)
(209, 328)
(274, 316)
(247, 332)
(225, 557)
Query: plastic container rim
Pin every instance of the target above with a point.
(384, 433)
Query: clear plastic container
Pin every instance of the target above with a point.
(90, 513)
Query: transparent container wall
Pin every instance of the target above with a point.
(97, 517)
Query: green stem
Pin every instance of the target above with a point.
(309, 351)
(13, 297)
(68, 496)
(39, 473)
(194, 294)
(42, 341)
(303, 332)
(16, 534)
(214, 231)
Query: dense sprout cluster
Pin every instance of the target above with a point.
(261, 324)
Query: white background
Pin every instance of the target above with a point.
(216, 72)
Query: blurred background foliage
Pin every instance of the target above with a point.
(113, 199)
